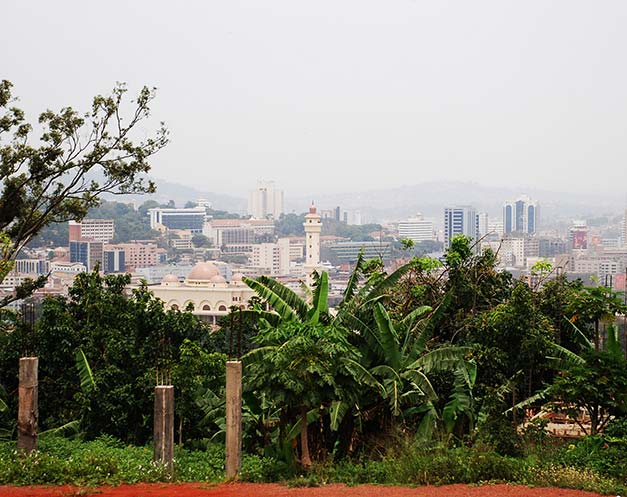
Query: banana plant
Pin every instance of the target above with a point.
(401, 363)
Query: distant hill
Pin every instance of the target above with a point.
(398, 203)
(181, 194)
(430, 199)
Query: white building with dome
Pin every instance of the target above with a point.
(206, 289)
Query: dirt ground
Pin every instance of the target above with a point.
(275, 490)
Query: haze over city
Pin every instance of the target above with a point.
(346, 96)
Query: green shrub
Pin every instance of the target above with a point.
(263, 469)
(603, 454)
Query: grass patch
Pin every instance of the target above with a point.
(584, 465)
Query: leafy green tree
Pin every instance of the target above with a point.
(593, 305)
(201, 241)
(290, 225)
(198, 373)
(127, 340)
(303, 366)
(511, 342)
(594, 382)
(76, 158)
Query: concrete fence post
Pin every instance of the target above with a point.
(164, 425)
(28, 409)
(233, 418)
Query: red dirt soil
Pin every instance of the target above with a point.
(275, 490)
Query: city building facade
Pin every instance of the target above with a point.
(265, 201)
(192, 219)
(520, 216)
(460, 220)
(417, 229)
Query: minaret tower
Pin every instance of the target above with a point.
(313, 226)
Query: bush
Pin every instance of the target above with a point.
(263, 469)
(605, 455)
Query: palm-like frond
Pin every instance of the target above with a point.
(285, 310)
(362, 375)
(3, 406)
(442, 359)
(271, 317)
(409, 321)
(388, 337)
(434, 321)
(259, 351)
(353, 280)
(563, 358)
(420, 380)
(612, 343)
(67, 430)
(84, 371)
(460, 402)
(294, 431)
(290, 297)
(541, 395)
(579, 335)
(337, 411)
(320, 303)
(428, 424)
(389, 281)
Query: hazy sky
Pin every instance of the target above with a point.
(342, 95)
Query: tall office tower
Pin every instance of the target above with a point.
(416, 228)
(313, 227)
(265, 201)
(578, 235)
(520, 216)
(482, 224)
(88, 252)
(101, 230)
(461, 220)
(625, 229)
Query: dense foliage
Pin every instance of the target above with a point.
(420, 375)
(128, 341)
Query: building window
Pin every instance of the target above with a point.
(206, 308)
(222, 308)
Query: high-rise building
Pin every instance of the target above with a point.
(483, 222)
(114, 260)
(192, 219)
(625, 229)
(139, 254)
(461, 220)
(417, 229)
(268, 257)
(89, 253)
(578, 235)
(265, 201)
(100, 230)
(520, 216)
(31, 266)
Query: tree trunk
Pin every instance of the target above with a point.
(305, 459)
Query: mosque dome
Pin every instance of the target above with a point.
(170, 280)
(217, 279)
(203, 271)
(237, 277)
